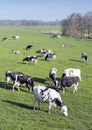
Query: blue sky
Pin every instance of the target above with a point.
(46, 10)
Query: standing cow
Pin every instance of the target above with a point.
(11, 76)
(50, 96)
(70, 72)
(23, 80)
(84, 57)
(50, 55)
(53, 75)
(68, 82)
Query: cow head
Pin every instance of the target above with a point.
(64, 110)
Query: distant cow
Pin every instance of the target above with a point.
(23, 80)
(50, 55)
(11, 76)
(15, 37)
(29, 47)
(72, 72)
(55, 36)
(84, 57)
(15, 52)
(43, 52)
(68, 82)
(50, 96)
(53, 75)
(4, 38)
(31, 59)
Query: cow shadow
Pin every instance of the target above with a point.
(2, 85)
(75, 60)
(22, 105)
(39, 80)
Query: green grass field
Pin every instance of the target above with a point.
(16, 108)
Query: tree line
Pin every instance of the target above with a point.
(77, 25)
(28, 23)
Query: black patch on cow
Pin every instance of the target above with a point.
(58, 102)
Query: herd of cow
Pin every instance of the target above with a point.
(70, 77)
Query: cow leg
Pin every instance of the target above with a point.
(34, 102)
(28, 88)
(49, 107)
(38, 105)
(16, 85)
(64, 89)
(75, 88)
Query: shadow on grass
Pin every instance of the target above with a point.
(18, 104)
(2, 85)
(39, 80)
(75, 60)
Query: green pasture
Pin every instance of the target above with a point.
(16, 108)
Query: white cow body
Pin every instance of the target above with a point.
(50, 96)
(72, 72)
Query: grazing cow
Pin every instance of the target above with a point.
(30, 59)
(53, 75)
(50, 96)
(15, 37)
(29, 47)
(50, 55)
(11, 76)
(72, 72)
(23, 80)
(84, 57)
(68, 82)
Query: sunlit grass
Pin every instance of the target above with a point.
(16, 108)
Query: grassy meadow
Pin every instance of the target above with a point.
(16, 108)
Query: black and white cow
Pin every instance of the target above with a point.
(11, 76)
(68, 82)
(50, 96)
(43, 52)
(29, 47)
(70, 72)
(50, 55)
(23, 80)
(15, 37)
(84, 57)
(53, 75)
(31, 59)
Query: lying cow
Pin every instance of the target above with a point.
(50, 96)
(15, 37)
(53, 75)
(23, 80)
(84, 57)
(42, 51)
(50, 55)
(30, 59)
(15, 52)
(11, 76)
(4, 38)
(72, 72)
(29, 47)
(68, 82)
